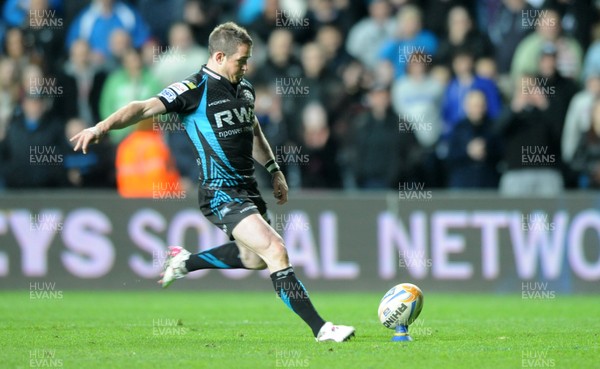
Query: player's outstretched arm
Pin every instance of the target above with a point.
(128, 115)
(263, 154)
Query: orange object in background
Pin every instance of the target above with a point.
(144, 165)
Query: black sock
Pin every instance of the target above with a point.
(294, 295)
(226, 256)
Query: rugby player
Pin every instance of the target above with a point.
(216, 107)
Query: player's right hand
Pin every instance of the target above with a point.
(280, 188)
(85, 137)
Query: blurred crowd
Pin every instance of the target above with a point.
(351, 94)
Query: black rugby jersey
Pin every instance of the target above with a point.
(219, 119)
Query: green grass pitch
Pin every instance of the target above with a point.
(173, 329)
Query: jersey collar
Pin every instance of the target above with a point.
(211, 73)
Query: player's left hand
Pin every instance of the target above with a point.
(85, 137)
(280, 187)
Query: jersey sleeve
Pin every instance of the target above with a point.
(181, 97)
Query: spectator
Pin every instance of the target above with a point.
(144, 165)
(71, 9)
(44, 33)
(409, 38)
(10, 90)
(185, 158)
(578, 119)
(59, 87)
(366, 37)
(331, 40)
(356, 83)
(417, 99)
(281, 61)
(181, 58)
(474, 149)
(530, 134)
(2, 31)
(16, 14)
(318, 84)
(464, 81)
(89, 80)
(119, 44)
(267, 109)
(376, 167)
(559, 90)
(548, 30)
(32, 152)
(161, 15)
(587, 158)
(321, 169)
(96, 23)
(150, 52)
(92, 170)
(202, 17)
(132, 82)
(326, 12)
(486, 68)
(437, 11)
(577, 18)
(271, 17)
(14, 45)
(60, 91)
(314, 69)
(508, 29)
(461, 34)
(591, 64)
(65, 104)
(250, 11)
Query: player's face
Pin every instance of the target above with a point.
(236, 65)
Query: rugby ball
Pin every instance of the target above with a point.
(401, 305)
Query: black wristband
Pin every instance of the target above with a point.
(272, 166)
